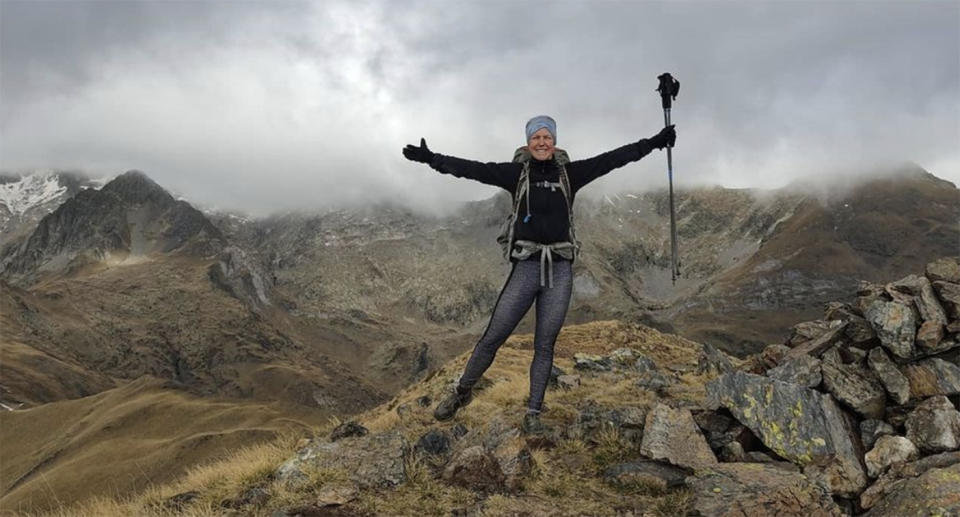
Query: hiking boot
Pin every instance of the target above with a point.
(532, 424)
(449, 406)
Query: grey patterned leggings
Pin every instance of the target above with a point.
(520, 290)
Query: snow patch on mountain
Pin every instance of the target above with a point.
(33, 190)
(98, 183)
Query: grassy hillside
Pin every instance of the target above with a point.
(126, 439)
(566, 480)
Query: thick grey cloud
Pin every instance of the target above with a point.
(262, 106)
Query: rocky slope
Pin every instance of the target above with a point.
(884, 228)
(767, 258)
(855, 414)
(753, 262)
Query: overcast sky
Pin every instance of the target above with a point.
(266, 106)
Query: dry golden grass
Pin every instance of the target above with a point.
(382, 422)
(422, 494)
(247, 467)
(139, 438)
(610, 448)
(284, 495)
(216, 481)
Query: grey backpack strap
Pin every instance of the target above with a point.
(523, 189)
(568, 196)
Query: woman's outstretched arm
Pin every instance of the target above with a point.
(584, 171)
(502, 175)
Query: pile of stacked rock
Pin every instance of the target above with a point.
(865, 400)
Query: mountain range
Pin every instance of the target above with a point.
(329, 313)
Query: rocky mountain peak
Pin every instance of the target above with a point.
(135, 187)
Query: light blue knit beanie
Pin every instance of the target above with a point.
(542, 121)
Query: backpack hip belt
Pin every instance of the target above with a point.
(523, 250)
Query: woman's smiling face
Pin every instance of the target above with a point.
(541, 144)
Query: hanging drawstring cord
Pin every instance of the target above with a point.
(526, 248)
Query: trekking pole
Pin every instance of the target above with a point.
(669, 87)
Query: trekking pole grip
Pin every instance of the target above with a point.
(668, 88)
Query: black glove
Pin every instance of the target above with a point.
(666, 137)
(418, 154)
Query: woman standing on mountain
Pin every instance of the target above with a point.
(540, 242)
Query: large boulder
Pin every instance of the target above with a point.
(858, 331)
(926, 301)
(770, 357)
(899, 472)
(896, 325)
(856, 387)
(946, 269)
(932, 314)
(934, 426)
(713, 361)
(821, 343)
(930, 338)
(867, 293)
(844, 474)
(371, 461)
(803, 370)
(893, 381)
(799, 424)
(931, 377)
(949, 294)
(887, 451)
(672, 435)
(807, 330)
(935, 492)
(757, 490)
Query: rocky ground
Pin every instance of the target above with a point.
(855, 414)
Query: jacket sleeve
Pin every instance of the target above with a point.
(584, 171)
(502, 175)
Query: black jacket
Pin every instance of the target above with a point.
(548, 222)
